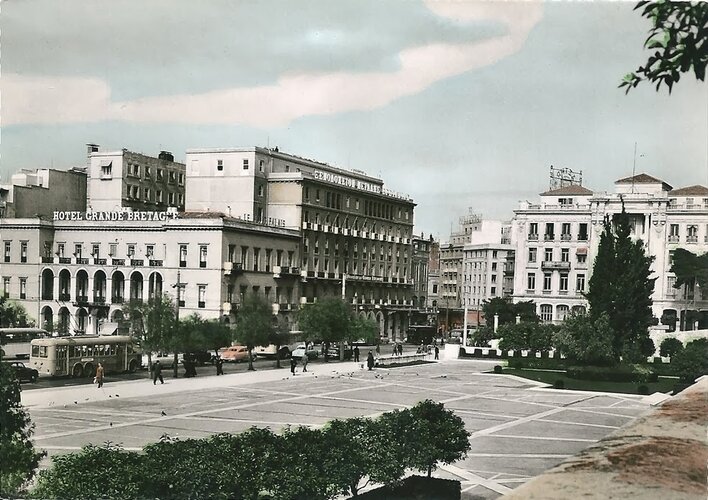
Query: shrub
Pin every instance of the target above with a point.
(559, 384)
(585, 340)
(643, 390)
(498, 369)
(620, 373)
(692, 361)
(670, 346)
(526, 336)
(539, 363)
(417, 487)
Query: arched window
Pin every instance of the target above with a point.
(546, 313)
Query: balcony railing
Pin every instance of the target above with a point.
(155, 263)
(117, 300)
(692, 238)
(137, 262)
(673, 238)
(117, 262)
(555, 264)
(47, 260)
(64, 260)
(583, 237)
(533, 237)
(64, 297)
(565, 237)
(549, 237)
(100, 262)
(82, 260)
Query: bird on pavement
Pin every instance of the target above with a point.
(163, 413)
(110, 423)
(76, 403)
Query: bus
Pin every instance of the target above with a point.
(421, 333)
(15, 342)
(79, 356)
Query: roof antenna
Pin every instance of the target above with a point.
(634, 165)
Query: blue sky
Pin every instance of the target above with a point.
(456, 103)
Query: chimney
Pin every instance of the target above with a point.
(166, 155)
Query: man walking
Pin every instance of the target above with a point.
(370, 360)
(293, 364)
(304, 361)
(356, 353)
(99, 375)
(219, 366)
(437, 352)
(157, 373)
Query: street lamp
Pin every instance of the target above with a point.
(179, 286)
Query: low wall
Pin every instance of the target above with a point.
(659, 456)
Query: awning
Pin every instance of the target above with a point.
(106, 163)
(581, 251)
(108, 328)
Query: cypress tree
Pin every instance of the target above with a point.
(600, 293)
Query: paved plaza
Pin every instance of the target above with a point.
(519, 429)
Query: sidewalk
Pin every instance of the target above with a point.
(58, 396)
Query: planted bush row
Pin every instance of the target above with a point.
(300, 463)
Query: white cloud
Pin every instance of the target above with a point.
(28, 99)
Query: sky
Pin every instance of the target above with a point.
(458, 103)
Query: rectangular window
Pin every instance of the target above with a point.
(583, 231)
(159, 175)
(171, 199)
(23, 288)
(181, 179)
(564, 282)
(148, 194)
(220, 165)
(261, 164)
(23, 251)
(550, 231)
(532, 254)
(580, 283)
(107, 171)
(113, 249)
(183, 256)
(582, 258)
(60, 249)
(131, 251)
(149, 251)
(158, 196)
(8, 247)
(533, 228)
(531, 281)
(202, 256)
(548, 254)
(244, 257)
(202, 296)
(245, 163)
(565, 255)
(77, 250)
(256, 258)
(6, 286)
(96, 251)
(148, 173)
(546, 282)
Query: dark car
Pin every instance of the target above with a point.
(200, 357)
(23, 372)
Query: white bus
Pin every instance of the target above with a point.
(15, 342)
(79, 356)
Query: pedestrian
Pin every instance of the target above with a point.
(437, 352)
(99, 375)
(304, 361)
(293, 364)
(378, 349)
(356, 353)
(157, 373)
(395, 349)
(219, 366)
(370, 360)
(400, 348)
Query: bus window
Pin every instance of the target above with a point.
(42, 351)
(130, 348)
(35, 351)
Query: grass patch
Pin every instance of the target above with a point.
(664, 384)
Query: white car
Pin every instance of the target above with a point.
(166, 359)
(300, 351)
(269, 351)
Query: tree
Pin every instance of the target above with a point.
(19, 458)
(254, 323)
(621, 287)
(692, 361)
(279, 336)
(508, 311)
(526, 336)
(155, 323)
(365, 329)
(361, 449)
(432, 435)
(13, 314)
(670, 346)
(691, 272)
(678, 33)
(586, 340)
(327, 320)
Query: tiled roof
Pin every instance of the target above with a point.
(696, 190)
(573, 189)
(640, 179)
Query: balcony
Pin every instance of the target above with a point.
(555, 264)
(285, 271)
(64, 297)
(673, 238)
(232, 268)
(47, 260)
(117, 262)
(117, 300)
(583, 237)
(155, 263)
(565, 237)
(693, 238)
(81, 300)
(549, 237)
(64, 260)
(285, 307)
(100, 262)
(137, 262)
(82, 260)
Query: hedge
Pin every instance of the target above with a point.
(620, 373)
(417, 488)
(539, 363)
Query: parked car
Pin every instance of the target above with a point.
(23, 372)
(269, 351)
(200, 357)
(300, 350)
(166, 359)
(235, 353)
(333, 352)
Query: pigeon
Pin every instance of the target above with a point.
(110, 396)
(117, 395)
(76, 403)
(110, 423)
(163, 413)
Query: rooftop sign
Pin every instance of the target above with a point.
(114, 216)
(356, 184)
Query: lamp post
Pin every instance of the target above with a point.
(179, 285)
